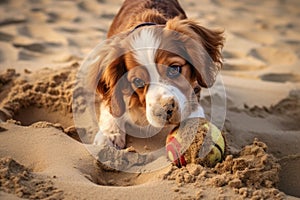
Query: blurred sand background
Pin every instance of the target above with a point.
(43, 43)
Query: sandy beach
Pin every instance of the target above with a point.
(46, 154)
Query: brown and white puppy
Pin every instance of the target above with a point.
(151, 68)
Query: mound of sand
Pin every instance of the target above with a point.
(17, 179)
(252, 173)
(42, 90)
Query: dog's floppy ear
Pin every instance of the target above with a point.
(106, 69)
(203, 47)
(111, 85)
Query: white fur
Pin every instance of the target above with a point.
(157, 91)
(145, 44)
(109, 130)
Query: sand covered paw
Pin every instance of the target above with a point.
(117, 140)
(99, 139)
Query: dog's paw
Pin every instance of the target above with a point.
(117, 140)
(100, 139)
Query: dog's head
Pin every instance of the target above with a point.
(155, 72)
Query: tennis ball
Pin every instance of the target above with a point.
(196, 141)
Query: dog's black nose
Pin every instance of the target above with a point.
(169, 114)
(168, 105)
(165, 109)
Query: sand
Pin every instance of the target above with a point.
(17, 179)
(44, 156)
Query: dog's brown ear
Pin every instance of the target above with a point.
(106, 68)
(203, 46)
(212, 41)
(111, 85)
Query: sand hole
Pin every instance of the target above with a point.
(123, 179)
(101, 176)
(31, 115)
(58, 119)
(130, 167)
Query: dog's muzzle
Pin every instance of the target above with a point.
(164, 104)
(165, 109)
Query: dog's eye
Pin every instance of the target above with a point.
(173, 71)
(139, 83)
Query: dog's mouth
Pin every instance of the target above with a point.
(167, 105)
(170, 114)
